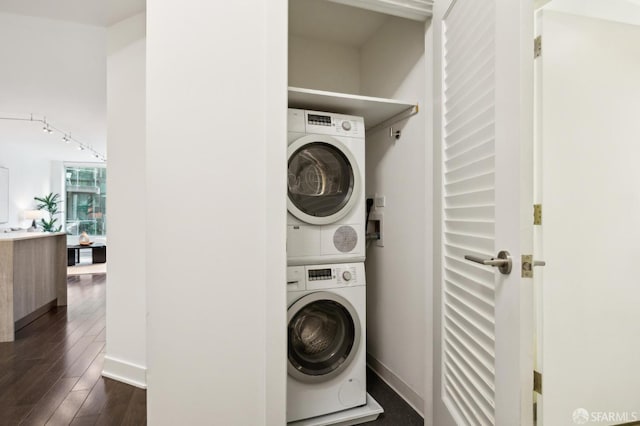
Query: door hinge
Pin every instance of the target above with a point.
(537, 382)
(537, 214)
(537, 47)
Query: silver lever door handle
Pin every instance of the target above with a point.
(539, 263)
(502, 262)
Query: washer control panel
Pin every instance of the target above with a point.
(319, 277)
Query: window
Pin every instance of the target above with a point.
(86, 200)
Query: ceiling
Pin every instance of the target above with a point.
(100, 13)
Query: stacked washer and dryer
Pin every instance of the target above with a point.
(326, 285)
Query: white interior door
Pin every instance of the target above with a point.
(484, 335)
(590, 193)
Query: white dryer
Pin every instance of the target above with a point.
(326, 320)
(326, 200)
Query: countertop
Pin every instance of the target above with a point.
(24, 235)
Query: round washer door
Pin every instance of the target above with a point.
(323, 179)
(323, 336)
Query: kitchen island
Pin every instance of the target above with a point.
(33, 277)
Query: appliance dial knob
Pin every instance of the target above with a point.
(346, 275)
(346, 125)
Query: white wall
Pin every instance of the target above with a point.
(399, 274)
(624, 11)
(29, 176)
(323, 65)
(126, 357)
(56, 69)
(49, 68)
(216, 126)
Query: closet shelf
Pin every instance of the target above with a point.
(418, 10)
(375, 111)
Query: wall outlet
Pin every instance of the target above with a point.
(377, 225)
(380, 201)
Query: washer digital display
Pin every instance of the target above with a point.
(320, 274)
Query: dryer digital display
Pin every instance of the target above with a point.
(319, 120)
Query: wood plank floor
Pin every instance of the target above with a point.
(50, 375)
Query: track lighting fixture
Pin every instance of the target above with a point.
(66, 136)
(46, 128)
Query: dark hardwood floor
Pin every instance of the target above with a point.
(51, 373)
(396, 410)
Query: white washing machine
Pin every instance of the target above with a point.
(326, 200)
(326, 320)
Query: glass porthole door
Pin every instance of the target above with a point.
(323, 180)
(323, 336)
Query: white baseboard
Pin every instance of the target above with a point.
(397, 384)
(125, 372)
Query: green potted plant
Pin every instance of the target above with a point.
(49, 203)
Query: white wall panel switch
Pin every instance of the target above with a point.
(380, 201)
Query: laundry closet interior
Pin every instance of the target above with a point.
(349, 60)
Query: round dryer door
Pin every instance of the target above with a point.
(323, 179)
(324, 335)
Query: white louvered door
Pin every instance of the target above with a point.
(484, 338)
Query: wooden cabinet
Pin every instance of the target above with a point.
(33, 278)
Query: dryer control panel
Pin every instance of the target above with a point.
(325, 276)
(324, 123)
